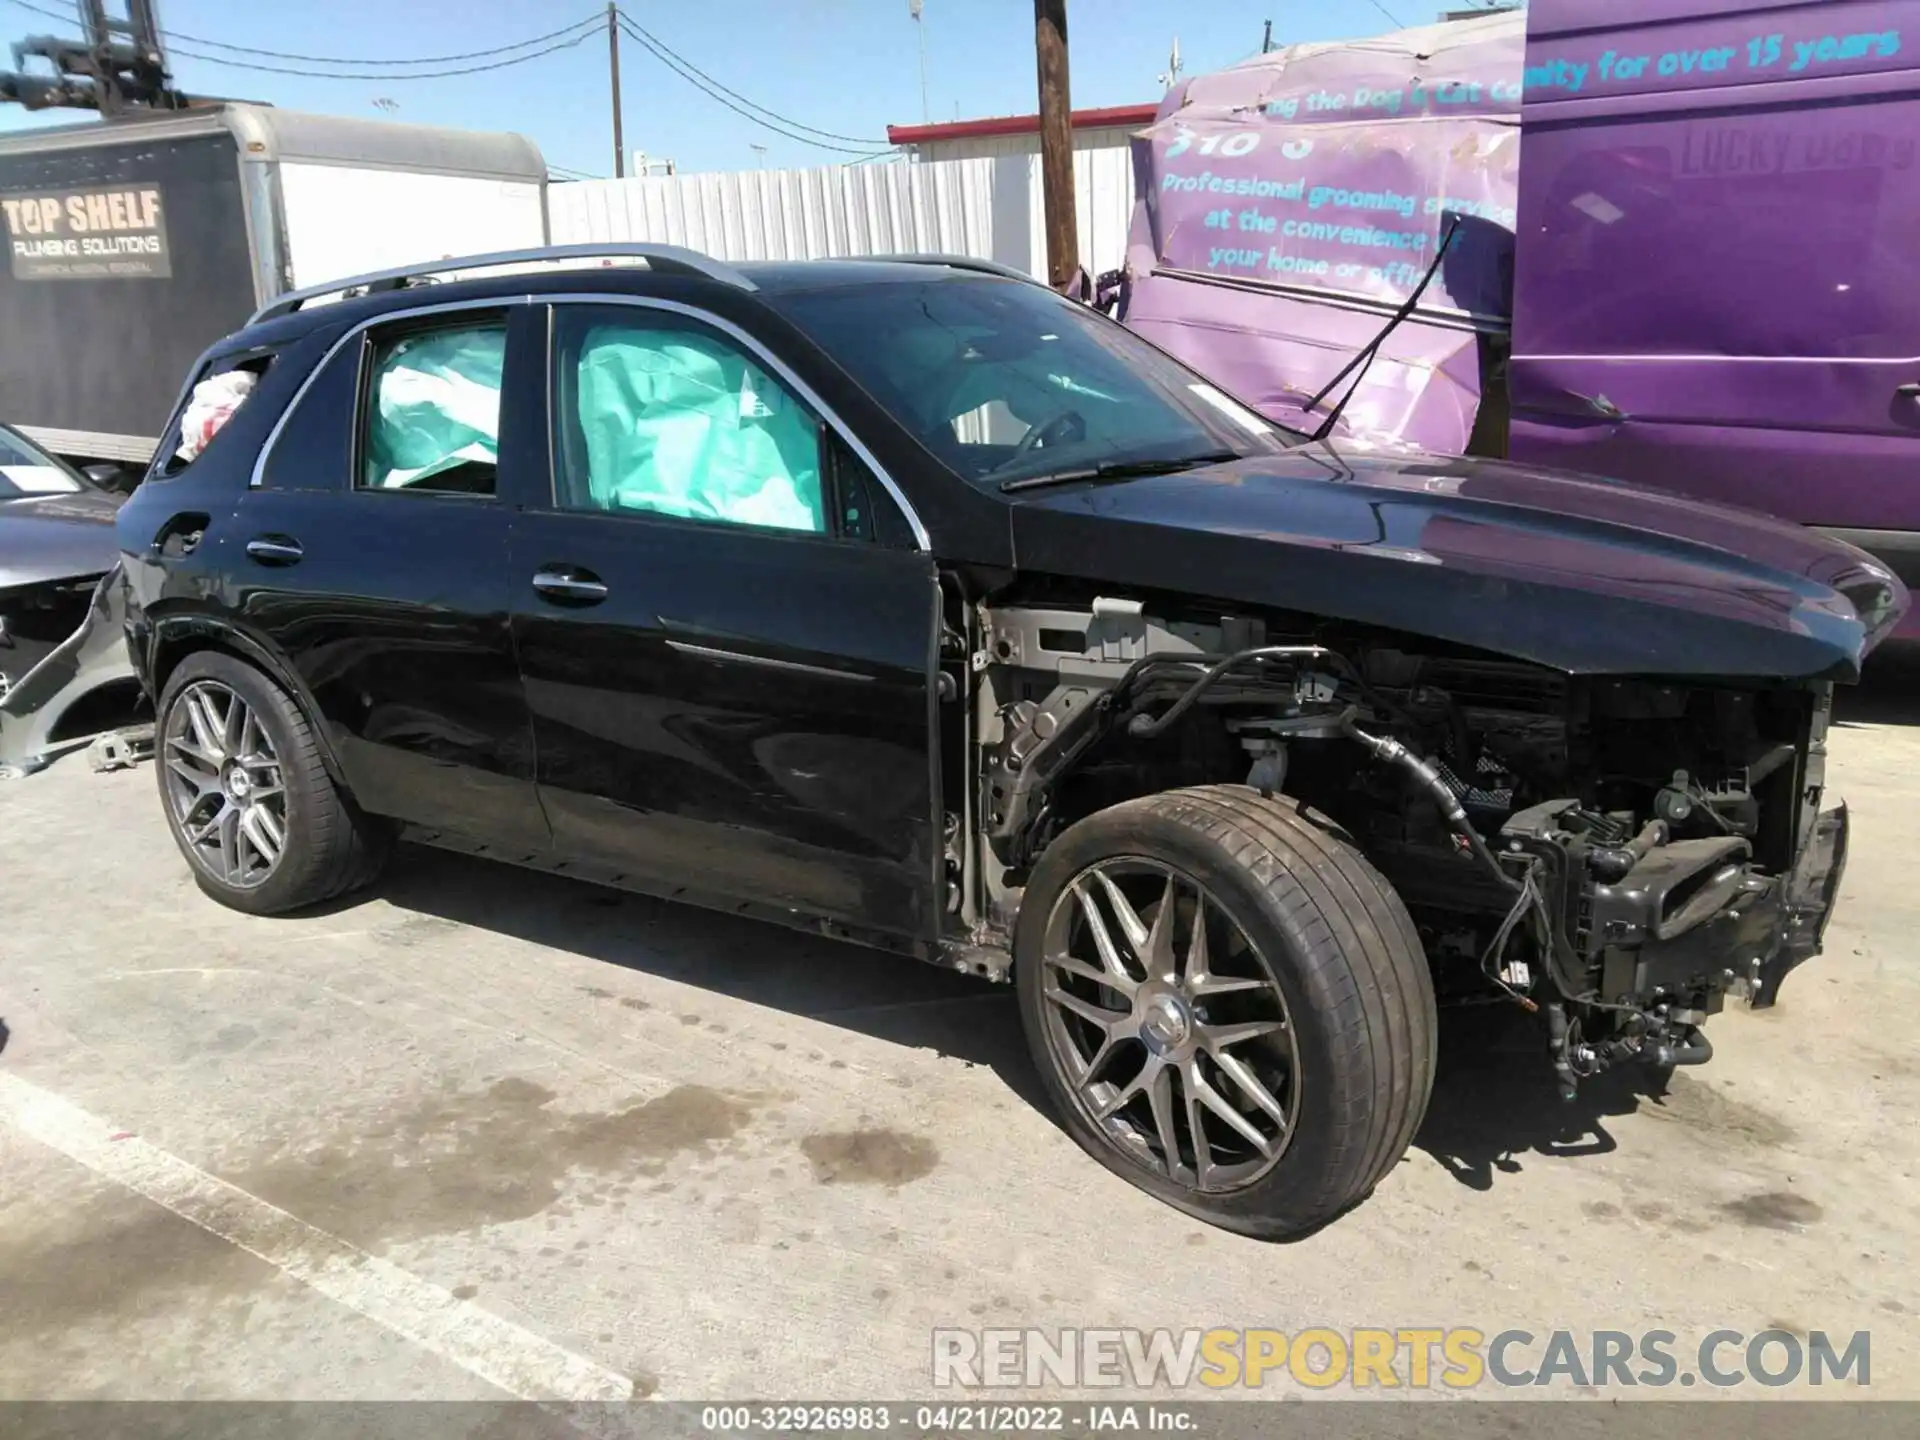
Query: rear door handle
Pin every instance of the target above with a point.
(1908, 391)
(275, 549)
(569, 585)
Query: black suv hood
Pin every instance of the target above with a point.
(1585, 575)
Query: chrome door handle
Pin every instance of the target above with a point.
(570, 587)
(1908, 391)
(275, 549)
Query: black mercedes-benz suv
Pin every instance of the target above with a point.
(913, 603)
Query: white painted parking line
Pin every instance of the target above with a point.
(503, 1354)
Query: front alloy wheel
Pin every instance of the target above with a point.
(1170, 1025)
(224, 784)
(1227, 1004)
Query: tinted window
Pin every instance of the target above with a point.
(668, 418)
(432, 419)
(25, 469)
(1005, 380)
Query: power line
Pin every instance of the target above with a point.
(387, 75)
(1398, 22)
(50, 14)
(592, 20)
(694, 74)
(715, 91)
(591, 24)
(772, 120)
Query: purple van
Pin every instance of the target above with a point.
(1678, 246)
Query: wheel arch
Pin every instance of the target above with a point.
(176, 638)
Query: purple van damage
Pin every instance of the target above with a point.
(1681, 255)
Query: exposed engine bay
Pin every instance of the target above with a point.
(1620, 854)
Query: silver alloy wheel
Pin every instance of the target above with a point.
(224, 785)
(1168, 1025)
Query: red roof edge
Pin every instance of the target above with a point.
(1018, 124)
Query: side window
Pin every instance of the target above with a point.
(314, 449)
(431, 419)
(664, 417)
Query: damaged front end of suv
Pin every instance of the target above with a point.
(1617, 853)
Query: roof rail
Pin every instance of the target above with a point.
(668, 259)
(959, 262)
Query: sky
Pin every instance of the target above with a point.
(848, 67)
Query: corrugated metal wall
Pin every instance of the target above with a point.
(985, 205)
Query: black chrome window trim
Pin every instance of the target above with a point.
(504, 303)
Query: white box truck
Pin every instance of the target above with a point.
(133, 244)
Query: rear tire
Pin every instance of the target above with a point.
(247, 796)
(1311, 983)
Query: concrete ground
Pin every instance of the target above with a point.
(656, 1150)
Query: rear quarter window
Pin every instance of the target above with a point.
(313, 448)
(220, 390)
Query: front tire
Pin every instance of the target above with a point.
(247, 796)
(1228, 1006)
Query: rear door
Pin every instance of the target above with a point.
(1717, 256)
(372, 555)
(726, 632)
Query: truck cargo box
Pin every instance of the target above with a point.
(133, 244)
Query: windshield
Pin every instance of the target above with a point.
(26, 469)
(1007, 381)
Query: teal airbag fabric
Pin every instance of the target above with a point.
(438, 403)
(680, 424)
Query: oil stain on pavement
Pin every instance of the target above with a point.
(1773, 1210)
(869, 1157)
(454, 1162)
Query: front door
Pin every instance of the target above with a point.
(726, 646)
(374, 562)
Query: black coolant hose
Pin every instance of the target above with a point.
(1394, 752)
(1695, 1049)
(1143, 727)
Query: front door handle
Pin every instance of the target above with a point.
(275, 549)
(569, 585)
(1908, 391)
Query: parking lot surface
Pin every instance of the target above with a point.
(599, 1145)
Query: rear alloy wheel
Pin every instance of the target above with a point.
(248, 797)
(222, 779)
(1228, 1005)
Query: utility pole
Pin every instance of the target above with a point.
(1056, 141)
(914, 8)
(1266, 40)
(613, 74)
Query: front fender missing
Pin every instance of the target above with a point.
(93, 657)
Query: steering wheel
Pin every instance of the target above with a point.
(1063, 429)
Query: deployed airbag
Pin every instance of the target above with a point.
(438, 397)
(680, 423)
